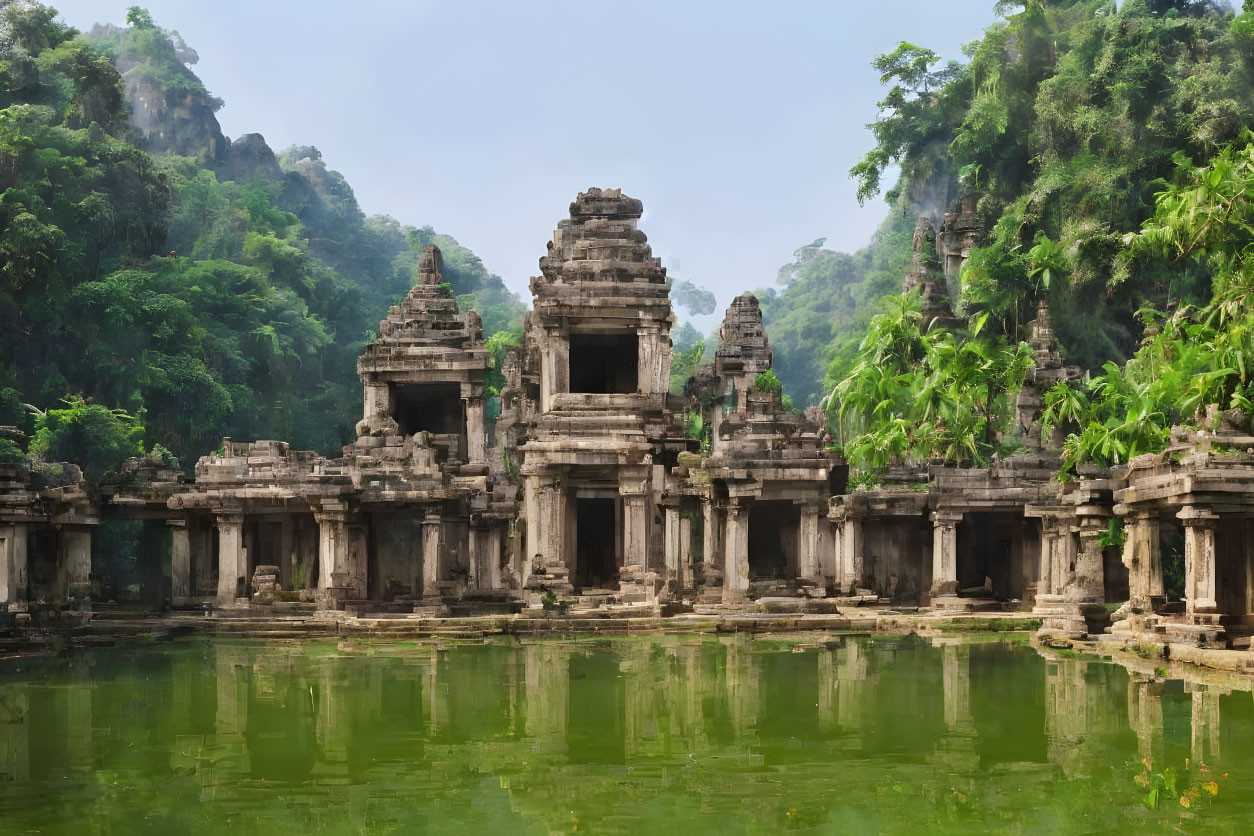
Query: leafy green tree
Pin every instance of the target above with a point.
(916, 395)
(93, 436)
(1195, 357)
(683, 363)
(767, 382)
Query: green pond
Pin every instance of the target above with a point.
(658, 733)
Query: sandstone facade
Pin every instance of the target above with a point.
(596, 486)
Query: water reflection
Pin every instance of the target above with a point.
(887, 733)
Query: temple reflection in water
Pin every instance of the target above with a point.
(537, 730)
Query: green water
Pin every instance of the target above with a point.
(652, 734)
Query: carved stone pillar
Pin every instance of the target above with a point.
(851, 557)
(945, 553)
(674, 563)
(376, 402)
(1141, 556)
(180, 562)
(476, 430)
(1199, 559)
(1045, 581)
(685, 550)
(232, 571)
(13, 576)
(808, 545)
(1088, 582)
(491, 564)
(714, 528)
(554, 367)
(635, 536)
(736, 548)
(475, 543)
(432, 547)
(342, 564)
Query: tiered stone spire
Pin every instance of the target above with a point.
(926, 272)
(1049, 369)
(742, 345)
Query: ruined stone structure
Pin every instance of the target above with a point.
(46, 522)
(598, 487)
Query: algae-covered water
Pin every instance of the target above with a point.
(645, 734)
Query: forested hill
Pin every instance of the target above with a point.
(173, 285)
(1064, 117)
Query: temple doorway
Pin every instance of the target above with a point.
(595, 558)
(773, 530)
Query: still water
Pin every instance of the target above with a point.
(652, 734)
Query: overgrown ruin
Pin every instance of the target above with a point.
(597, 489)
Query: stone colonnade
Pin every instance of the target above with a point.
(64, 545)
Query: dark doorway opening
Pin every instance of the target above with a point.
(985, 552)
(595, 564)
(773, 530)
(604, 364)
(427, 407)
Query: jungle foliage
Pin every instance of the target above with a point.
(1063, 117)
(926, 393)
(196, 287)
(1076, 124)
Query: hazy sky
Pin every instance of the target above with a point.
(735, 123)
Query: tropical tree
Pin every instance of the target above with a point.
(917, 395)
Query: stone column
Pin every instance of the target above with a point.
(654, 361)
(736, 549)
(286, 547)
(554, 367)
(475, 542)
(685, 550)
(231, 568)
(635, 535)
(13, 578)
(432, 530)
(341, 555)
(851, 554)
(808, 545)
(476, 430)
(674, 566)
(837, 557)
(180, 562)
(1052, 534)
(531, 528)
(1088, 582)
(712, 519)
(1141, 556)
(1199, 559)
(945, 553)
(376, 401)
(491, 565)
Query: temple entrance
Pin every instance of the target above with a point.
(604, 364)
(595, 563)
(773, 534)
(990, 555)
(427, 407)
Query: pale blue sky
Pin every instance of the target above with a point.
(735, 123)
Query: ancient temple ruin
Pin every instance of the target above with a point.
(598, 488)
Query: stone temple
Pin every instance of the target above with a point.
(597, 489)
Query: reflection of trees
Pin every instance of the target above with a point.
(874, 733)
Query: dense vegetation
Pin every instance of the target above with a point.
(1076, 124)
(186, 286)
(1063, 118)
